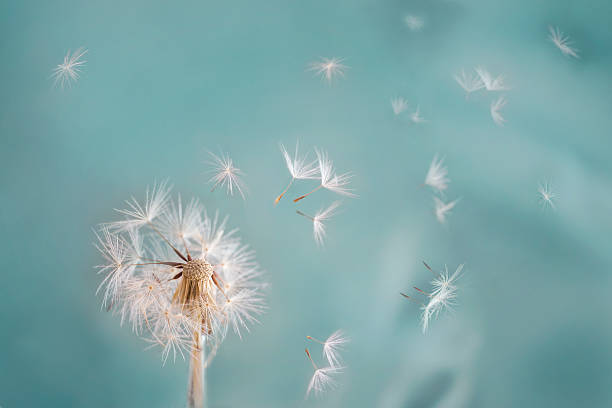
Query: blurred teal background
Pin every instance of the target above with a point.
(165, 81)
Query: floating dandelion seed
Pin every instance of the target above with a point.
(547, 195)
(322, 379)
(490, 83)
(226, 175)
(329, 68)
(332, 347)
(399, 105)
(443, 296)
(318, 221)
(170, 282)
(69, 71)
(329, 179)
(414, 23)
(469, 83)
(562, 42)
(436, 176)
(496, 106)
(299, 168)
(416, 117)
(443, 209)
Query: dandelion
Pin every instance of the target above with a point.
(318, 221)
(562, 42)
(436, 175)
(490, 83)
(329, 68)
(416, 117)
(329, 179)
(332, 347)
(69, 70)
(496, 106)
(443, 295)
(322, 379)
(469, 83)
(165, 273)
(299, 168)
(226, 175)
(399, 105)
(547, 195)
(443, 209)
(414, 23)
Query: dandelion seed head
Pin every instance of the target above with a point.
(490, 83)
(299, 167)
(469, 83)
(333, 346)
(323, 380)
(416, 117)
(169, 282)
(337, 183)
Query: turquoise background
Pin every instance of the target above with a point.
(166, 81)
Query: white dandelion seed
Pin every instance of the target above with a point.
(547, 195)
(299, 168)
(436, 176)
(443, 209)
(226, 175)
(241, 309)
(416, 117)
(562, 42)
(469, 83)
(329, 68)
(329, 179)
(138, 215)
(414, 23)
(442, 297)
(319, 220)
(399, 105)
(490, 83)
(496, 106)
(322, 379)
(69, 70)
(332, 347)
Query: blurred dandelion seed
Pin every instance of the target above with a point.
(329, 179)
(329, 68)
(68, 71)
(183, 283)
(414, 23)
(547, 195)
(436, 176)
(399, 105)
(469, 83)
(416, 117)
(226, 175)
(443, 209)
(319, 220)
(562, 42)
(299, 168)
(490, 83)
(496, 106)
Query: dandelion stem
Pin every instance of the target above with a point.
(307, 194)
(197, 380)
(313, 339)
(284, 191)
(304, 215)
